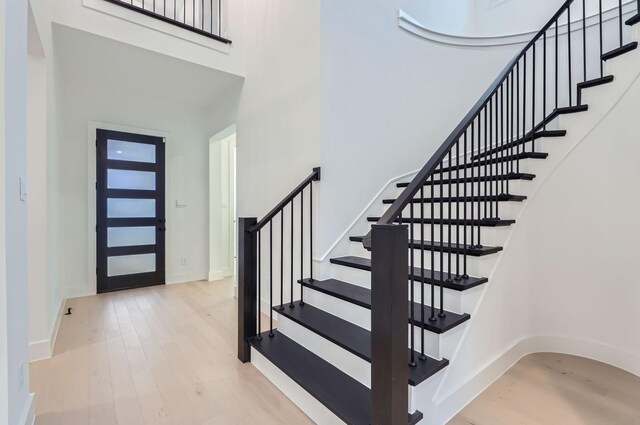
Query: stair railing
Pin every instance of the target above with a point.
(462, 185)
(256, 261)
(200, 16)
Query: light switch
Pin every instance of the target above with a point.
(181, 203)
(23, 189)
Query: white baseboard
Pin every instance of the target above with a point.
(28, 416)
(43, 349)
(186, 277)
(79, 291)
(216, 275)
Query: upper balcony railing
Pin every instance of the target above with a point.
(203, 17)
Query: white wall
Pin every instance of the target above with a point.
(389, 100)
(14, 376)
(278, 126)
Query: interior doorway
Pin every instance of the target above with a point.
(130, 210)
(222, 204)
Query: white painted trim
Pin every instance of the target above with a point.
(216, 275)
(362, 214)
(93, 126)
(43, 349)
(186, 277)
(495, 368)
(412, 25)
(28, 416)
(157, 25)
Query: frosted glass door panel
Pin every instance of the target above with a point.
(129, 179)
(131, 264)
(130, 236)
(131, 151)
(130, 208)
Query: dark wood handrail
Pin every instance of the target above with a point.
(314, 177)
(394, 211)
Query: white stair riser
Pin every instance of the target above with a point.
(517, 187)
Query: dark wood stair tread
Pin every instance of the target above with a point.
(446, 247)
(476, 179)
(353, 338)
(453, 222)
(344, 396)
(453, 199)
(596, 82)
(456, 285)
(362, 297)
(620, 51)
(517, 143)
(508, 158)
(634, 19)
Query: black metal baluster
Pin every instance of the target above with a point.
(433, 251)
(503, 134)
(544, 81)
(291, 305)
(193, 20)
(533, 100)
(518, 115)
(524, 104)
(464, 207)
(259, 285)
(281, 259)
(569, 52)
(491, 154)
(620, 20)
(271, 278)
(219, 17)
(302, 245)
(449, 215)
(457, 210)
(441, 314)
(556, 64)
(422, 268)
(495, 167)
(412, 361)
(486, 162)
(584, 39)
(601, 41)
(311, 232)
(211, 14)
(472, 154)
(511, 137)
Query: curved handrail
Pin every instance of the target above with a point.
(313, 177)
(394, 211)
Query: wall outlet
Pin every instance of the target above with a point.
(183, 261)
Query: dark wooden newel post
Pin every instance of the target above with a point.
(389, 330)
(247, 286)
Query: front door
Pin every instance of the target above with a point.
(130, 210)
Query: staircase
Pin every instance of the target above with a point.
(340, 347)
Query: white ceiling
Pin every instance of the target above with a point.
(83, 58)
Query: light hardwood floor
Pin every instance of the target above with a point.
(550, 389)
(167, 355)
(160, 355)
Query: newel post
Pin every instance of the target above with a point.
(247, 286)
(389, 330)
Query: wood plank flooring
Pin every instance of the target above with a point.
(549, 389)
(166, 355)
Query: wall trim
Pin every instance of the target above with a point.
(43, 349)
(28, 416)
(377, 196)
(216, 275)
(412, 25)
(185, 278)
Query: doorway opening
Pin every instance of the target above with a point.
(222, 204)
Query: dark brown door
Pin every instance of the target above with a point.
(131, 221)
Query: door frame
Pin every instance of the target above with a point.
(92, 245)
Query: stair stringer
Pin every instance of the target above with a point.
(473, 367)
